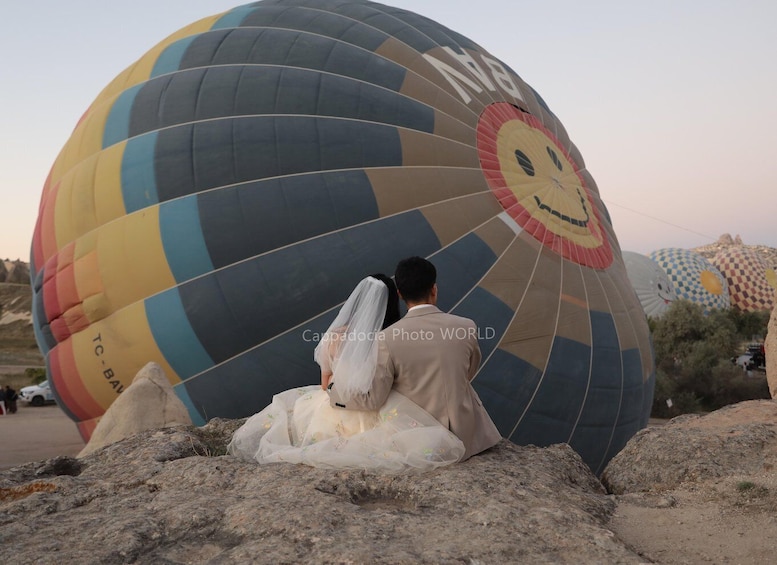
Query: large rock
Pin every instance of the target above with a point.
(735, 440)
(15, 272)
(169, 496)
(770, 348)
(147, 404)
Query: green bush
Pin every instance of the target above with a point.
(693, 359)
(36, 376)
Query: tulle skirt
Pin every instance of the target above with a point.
(300, 426)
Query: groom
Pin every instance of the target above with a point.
(430, 357)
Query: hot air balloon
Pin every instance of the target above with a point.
(650, 282)
(751, 281)
(222, 196)
(693, 277)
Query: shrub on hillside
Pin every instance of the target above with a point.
(36, 376)
(693, 359)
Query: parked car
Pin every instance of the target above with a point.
(745, 361)
(37, 395)
(757, 352)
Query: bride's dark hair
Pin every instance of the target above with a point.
(392, 306)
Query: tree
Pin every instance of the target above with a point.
(693, 359)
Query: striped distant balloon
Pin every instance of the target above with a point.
(650, 282)
(751, 281)
(693, 277)
(223, 195)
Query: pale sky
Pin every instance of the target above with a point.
(671, 102)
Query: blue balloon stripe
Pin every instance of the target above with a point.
(245, 384)
(117, 124)
(138, 179)
(319, 21)
(174, 334)
(197, 94)
(254, 300)
(505, 384)
(490, 314)
(197, 157)
(292, 209)
(416, 31)
(593, 432)
(460, 266)
(183, 240)
(198, 418)
(233, 18)
(296, 48)
(559, 394)
(169, 60)
(43, 335)
(604, 396)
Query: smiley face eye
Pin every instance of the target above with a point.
(660, 287)
(554, 158)
(524, 162)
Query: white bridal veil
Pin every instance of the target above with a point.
(350, 344)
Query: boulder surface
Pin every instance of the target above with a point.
(171, 496)
(148, 403)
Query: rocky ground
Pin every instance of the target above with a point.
(169, 496)
(699, 489)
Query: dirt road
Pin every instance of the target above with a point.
(37, 433)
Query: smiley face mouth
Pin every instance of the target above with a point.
(563, 217)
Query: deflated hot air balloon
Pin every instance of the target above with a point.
(751, 281)
(650, 282)
(693, 277)
(222, 196)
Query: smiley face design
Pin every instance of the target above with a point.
(664, 291)
(539, 185)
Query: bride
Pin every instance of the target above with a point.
(300, 425)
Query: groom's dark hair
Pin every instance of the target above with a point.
(415, 277)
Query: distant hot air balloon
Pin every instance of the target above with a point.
(222, 196)
(693, 277)
(650, 282)
(751, 281)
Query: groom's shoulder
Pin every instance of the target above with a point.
(436, 317)
(458, 320)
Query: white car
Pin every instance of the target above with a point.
(37, 395)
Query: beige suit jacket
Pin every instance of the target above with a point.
(430, 357)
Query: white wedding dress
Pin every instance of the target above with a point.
(300, 425)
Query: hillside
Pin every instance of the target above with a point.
(768, 254)
(17, 340)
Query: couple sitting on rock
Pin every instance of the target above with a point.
(395, 394)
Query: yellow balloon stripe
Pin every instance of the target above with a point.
(111, 352)
(127, 257)
(89, 196)
(87, 137)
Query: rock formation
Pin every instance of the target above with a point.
(725, 240)
(14, 272)
(700, 489)
(168, 496)
(737, 439)
(770, 349)
(768, 254)
(148, 403)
